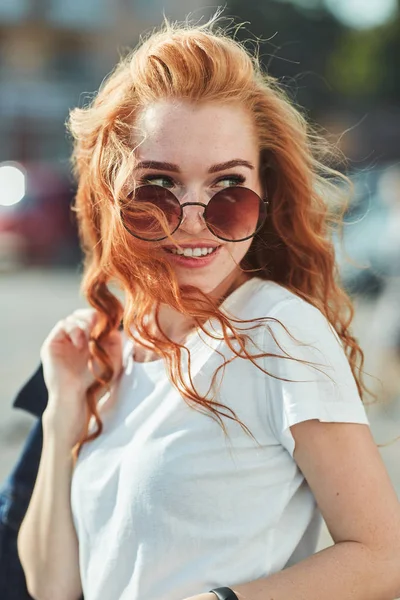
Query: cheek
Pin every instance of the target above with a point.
(237, 251)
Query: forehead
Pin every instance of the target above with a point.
(207, 133)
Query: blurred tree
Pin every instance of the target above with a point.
(356, 66)
(296, 43)
(343, 78)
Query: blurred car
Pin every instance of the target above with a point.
(37, 226)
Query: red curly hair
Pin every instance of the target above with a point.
(200, 63)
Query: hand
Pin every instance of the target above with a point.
(65, 356)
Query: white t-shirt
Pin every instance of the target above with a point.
(165, 506)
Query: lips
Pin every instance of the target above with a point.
(192, 261)
(191, 252)
(198, 244)
(195, 249)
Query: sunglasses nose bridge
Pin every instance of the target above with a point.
(193, 212)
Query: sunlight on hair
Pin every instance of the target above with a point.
(202, 62)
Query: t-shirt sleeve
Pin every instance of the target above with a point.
(298, 390)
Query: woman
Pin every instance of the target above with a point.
(200, 196)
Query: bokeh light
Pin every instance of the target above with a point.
(361, 14)
(12, 184)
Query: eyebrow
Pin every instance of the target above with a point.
(166, 166)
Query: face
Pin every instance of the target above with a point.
(198, 142)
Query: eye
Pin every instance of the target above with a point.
(231, 180)
(161, 180)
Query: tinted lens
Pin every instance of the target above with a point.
(152, 213)
(235, 214)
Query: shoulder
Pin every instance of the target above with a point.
(256, 298)
(291, 326)
(279, 312)
(271, 302)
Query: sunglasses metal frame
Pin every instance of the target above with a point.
(265, 201)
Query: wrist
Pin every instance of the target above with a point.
(57, 397)
(223, 593)
(57, 447)
(62, 429)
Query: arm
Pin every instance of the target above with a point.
(352, 488)
(318, 417)
(47, 543)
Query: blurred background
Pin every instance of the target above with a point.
(338, 60)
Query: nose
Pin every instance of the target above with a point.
(193, 219)
(193, 213)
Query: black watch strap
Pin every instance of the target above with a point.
(224, 593)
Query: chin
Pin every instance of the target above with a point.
(205, 284)
(209, 283)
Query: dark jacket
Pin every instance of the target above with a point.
(16, 492)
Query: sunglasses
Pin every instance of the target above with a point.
(234, 214)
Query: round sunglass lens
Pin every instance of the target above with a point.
(152, 213)
(235, 214)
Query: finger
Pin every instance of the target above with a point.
(57, 334)
(58, 331)
(86, 314)
(85, 317)
(74, 322)
(76, 334)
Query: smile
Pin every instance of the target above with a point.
(197, 257)
(196, 252)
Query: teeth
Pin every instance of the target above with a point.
(196, 252)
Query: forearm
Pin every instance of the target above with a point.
(345, 571)
(47, 542)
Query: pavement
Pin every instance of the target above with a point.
(32, 301)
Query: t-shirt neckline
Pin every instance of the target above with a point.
(194, 340)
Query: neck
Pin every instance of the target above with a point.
(177, 326)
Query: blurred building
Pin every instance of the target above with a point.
(53, 53)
